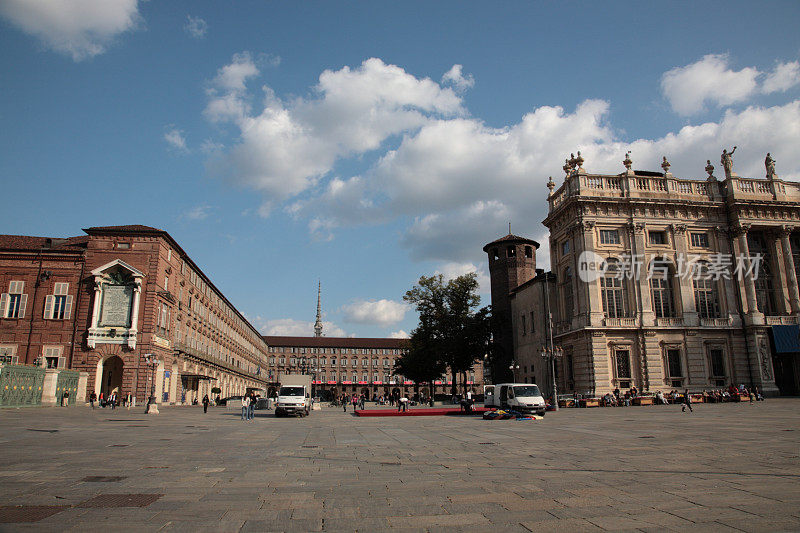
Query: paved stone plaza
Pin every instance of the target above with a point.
(723, 467)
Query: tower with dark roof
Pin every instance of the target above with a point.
(512, 262)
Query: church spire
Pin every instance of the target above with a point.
(318, 323)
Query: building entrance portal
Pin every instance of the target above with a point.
(111, 380)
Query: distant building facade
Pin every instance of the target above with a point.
(661, 329)
(106, 302)
(344, 365)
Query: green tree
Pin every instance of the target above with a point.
(420, 363)
(450, 329)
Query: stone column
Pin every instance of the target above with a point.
(753, 316)
(49, 397)
(83, 379)
(640, 283)
(788, 265)
(732, 303)
(685, 288)
(589, 295)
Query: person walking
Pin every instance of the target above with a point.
(112, 399)
(245, 406)
(344, 403)
(362, 401)
(687, 402)
(92, 399)
(205, 403)
(102, 401)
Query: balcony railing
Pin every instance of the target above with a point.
(781, 320)
(625, 322)
(716, 322)
(669, 322)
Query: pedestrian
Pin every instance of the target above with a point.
(362, 402)
(102, 401)
(251, 409)
(92, 399)
(205, 403)
(404, 403)
(687, 402)
(245, 406)
(344, 403)
(112, 399)
(65, 399)
(354, 401)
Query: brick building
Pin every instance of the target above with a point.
(676, 323)
(106, 302)
(352, 365)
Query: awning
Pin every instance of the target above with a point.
(786, 339)
(197, 376)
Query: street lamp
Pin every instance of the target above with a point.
(152, 406)
(514, 367)
(552, 353)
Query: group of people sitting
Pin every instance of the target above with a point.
(730, 394)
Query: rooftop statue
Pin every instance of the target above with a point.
(579, 161)
(770, 164)
(627, 161)
(665, 165)
(709, 168)
(726, 159)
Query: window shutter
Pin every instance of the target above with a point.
(4, 305)
(23, 303)
(68, 307)
(48, 306)
(14, 359)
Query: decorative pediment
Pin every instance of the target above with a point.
(115, 266)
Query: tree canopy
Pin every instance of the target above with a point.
(452, 334)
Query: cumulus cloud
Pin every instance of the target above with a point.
(455, 78)
(295, 328)
(710, 80)
(453, 270)
(195, 27)
(399, 335)
(78, 28)
(175, 139)
(286, 147)
(375, 312)
(782, 78)
(450, 182)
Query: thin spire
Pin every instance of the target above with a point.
(318, 323)
(509, 228)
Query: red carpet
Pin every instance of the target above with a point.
(421, 411)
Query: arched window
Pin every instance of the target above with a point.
(661, 288)
(566, 289)
(612, 287)
(706, 297)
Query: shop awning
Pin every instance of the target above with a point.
(786, 338)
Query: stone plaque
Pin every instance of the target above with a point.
(116, 306)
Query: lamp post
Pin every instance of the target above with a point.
(552, 353)
(514, 367)
(152, 406)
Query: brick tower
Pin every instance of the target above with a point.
(512, 262)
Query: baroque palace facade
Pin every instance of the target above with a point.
(125, 305)
(652, 286)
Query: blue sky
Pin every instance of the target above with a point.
(364, 144)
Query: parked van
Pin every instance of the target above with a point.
(523, 397)
(294, 396)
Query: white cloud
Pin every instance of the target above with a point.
(79, 28)
(195, 27)
(399, 335)
(707, 80)
(375, 312)
(287, 147)
(175, 139)
(199, 212)
(783, 77)
(456, 79)
(295, 328)
(452, 183)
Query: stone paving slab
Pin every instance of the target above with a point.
(725, 467)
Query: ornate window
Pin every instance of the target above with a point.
(612, 287)
(765, 299)
(716, 363)
(14, 302)
(609, 236)
(661, 289)
(674, 367)
(622, 364)
(115, 312)
(706, 296)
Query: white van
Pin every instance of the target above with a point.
(294, 396)
(523, 397)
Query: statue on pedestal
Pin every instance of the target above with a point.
(665, 165)
(627, 161)
(579, 161)
(709, 168)
(726, 159)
